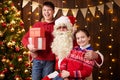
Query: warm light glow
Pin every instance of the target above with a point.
(112, 39)
(100, 2)
(29, 12)
(29, 19)
(110, 11)
(111, 27)
(99, 77)
(88, 5)
(110, 35)
(85, 26)
(88, 19)
(36, 20)
(114, 19)
(100, 71)
(113, 60)
(111, 73)
(63, 1)
(97, 44)
(110, 67)
(97, 16)
(98, 37)
(37, 14)
(110, 54)
(100, 23)
(110, 46)
(76, 6)
(101, 30)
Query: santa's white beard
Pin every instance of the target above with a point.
(62, 44)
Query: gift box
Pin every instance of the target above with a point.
(38, 42)
(37, 32)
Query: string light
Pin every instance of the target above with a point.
(100, 71)
(97, 16)
(110, 67)
(37, 14)
(111, 73)
(100, 24)
(97, 44)
(113, 60)
(98, 37)
(88, 19)
(101, 30)
(29, 13)
(110, 54)
(109, 46)
(100, 2)
(99, 77)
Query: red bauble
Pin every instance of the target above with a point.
(4, 24)
(17, 48)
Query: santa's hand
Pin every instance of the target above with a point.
(53, 75)
(65, 74)
(90, 55)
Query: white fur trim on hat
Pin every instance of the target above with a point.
(63, 21)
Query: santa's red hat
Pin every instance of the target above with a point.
(72, 19)
(67, 21)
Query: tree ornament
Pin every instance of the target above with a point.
(21, 23)
(5, 10)
(28, 78)
(9, 44)
(18, 14)
(26, 71)
(1, 21)
(4, 24)
(1, 43)
(7, 61)
(17, 48)
(1, 33)
(11, 67)
(20, 58)
(13, 42)
(3, 59)
(17, 77)
(23, 30)
(2, 75)
(12, 29)
(9, 2)
(25, 53)
(12, 22)
(5, 70)
(27, 64)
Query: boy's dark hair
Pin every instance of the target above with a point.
(50, 4)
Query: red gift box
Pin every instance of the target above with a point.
(37, 32)
(38, 42)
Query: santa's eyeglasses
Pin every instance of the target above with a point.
(62, 27)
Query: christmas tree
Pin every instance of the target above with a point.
(14, 64)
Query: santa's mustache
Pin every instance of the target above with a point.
(60, 33)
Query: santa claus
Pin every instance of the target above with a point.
(62, 46)
(63, 42)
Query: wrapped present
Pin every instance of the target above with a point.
(37, 32)
(38, 42)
